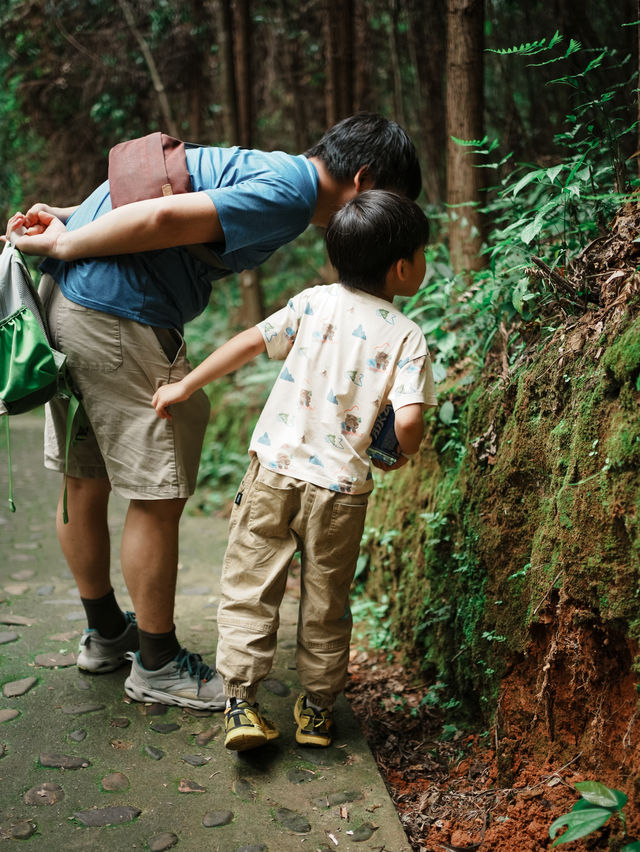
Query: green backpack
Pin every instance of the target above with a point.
(31, 370)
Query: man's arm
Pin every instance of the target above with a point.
(241, 349)
(156, 223)
(61, 213)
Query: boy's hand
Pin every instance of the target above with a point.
(168, 395)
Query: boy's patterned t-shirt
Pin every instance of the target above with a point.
(346, 355)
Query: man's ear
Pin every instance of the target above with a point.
(362, 180)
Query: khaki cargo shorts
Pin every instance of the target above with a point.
(117, 364)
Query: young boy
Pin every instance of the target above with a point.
(347, 353)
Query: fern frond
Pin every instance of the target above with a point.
(528, 48)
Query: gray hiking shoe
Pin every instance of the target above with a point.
(185, 681)
(99, 655)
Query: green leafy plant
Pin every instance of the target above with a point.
(598, 803)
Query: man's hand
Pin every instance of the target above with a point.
(36, 232)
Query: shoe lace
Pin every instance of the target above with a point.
(193, 664)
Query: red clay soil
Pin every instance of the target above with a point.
(455, 791)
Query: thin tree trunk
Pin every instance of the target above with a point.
(224, 26)
(465, 21)
(426, 36)
(244, 71)
(362, 57)
(339, 45)
(331, 84)
(398, 105)
(158, 85)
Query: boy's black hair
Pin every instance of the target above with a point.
(372, 232)
(370, 140)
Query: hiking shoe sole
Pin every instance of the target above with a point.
(100, 656)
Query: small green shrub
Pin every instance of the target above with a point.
(596, 806)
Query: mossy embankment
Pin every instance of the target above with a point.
(513, 570)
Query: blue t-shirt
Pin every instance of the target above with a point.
(263, 200)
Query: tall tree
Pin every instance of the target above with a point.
(465, 22)
(243, 27)
(224, 26)
(340, 61)
(426, 39)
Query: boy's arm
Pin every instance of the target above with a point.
(409, 427)
(241, 349)
(156, 223)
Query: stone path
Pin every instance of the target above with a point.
(81, 768)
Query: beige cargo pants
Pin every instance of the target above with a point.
(274, 517)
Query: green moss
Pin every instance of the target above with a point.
(623, 357)
(482, 543)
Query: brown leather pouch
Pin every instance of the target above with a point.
(148, 167)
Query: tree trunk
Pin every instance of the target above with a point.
(426, 35)
(362, 58)
(339, 40)
(398, 104)
(465, 20)
(224, 26)
(244, 71)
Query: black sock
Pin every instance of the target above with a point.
(104, 615)
(157, 649)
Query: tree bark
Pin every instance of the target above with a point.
(394, 49)
(339, 17)
(465, 21)
(224, 26)
(244, 71)
(426, 36)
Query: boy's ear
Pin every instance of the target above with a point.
(401, 269)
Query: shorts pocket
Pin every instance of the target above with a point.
(90, 339)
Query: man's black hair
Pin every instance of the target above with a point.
(370, 140)
(372, 232)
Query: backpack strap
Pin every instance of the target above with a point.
(12, 505)
(74, 407)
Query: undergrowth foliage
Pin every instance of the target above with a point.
(541, 217)
(492, 323)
